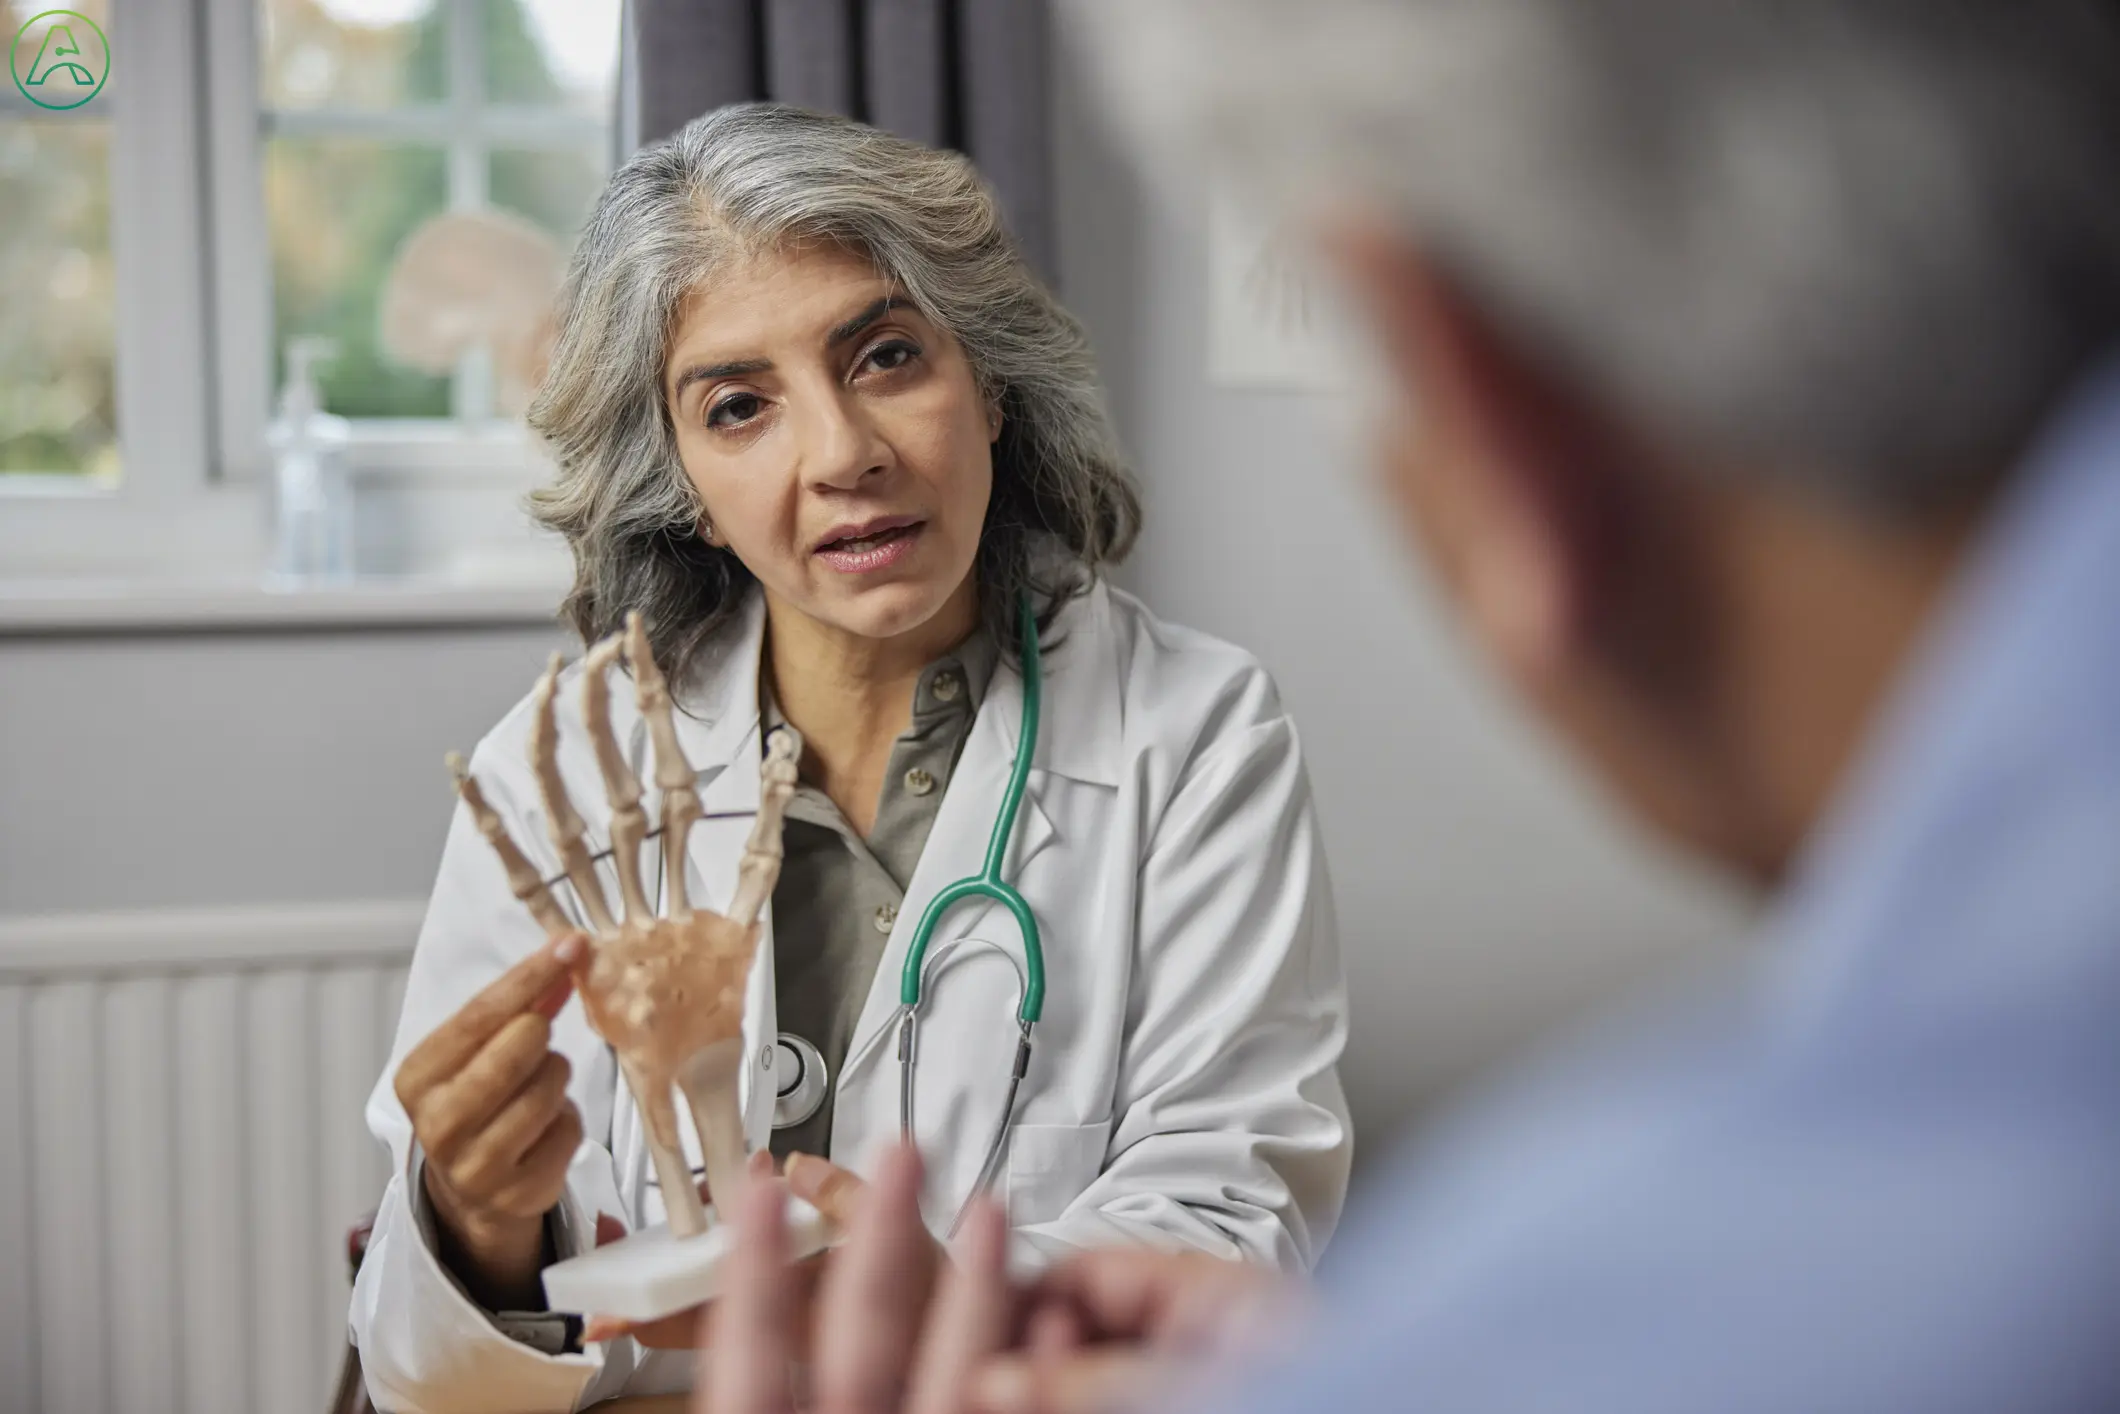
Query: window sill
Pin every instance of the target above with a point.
(54, 607)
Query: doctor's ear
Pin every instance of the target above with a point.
(993, 419)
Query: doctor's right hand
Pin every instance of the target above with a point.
(487, 1097)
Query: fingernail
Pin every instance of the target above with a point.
(569, 948)
(797, 1172)
(602, 1328)
(760, 1164)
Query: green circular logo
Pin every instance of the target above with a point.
(59, 59)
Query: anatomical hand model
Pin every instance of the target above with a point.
(666, 992)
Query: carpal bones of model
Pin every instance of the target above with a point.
(666, 992)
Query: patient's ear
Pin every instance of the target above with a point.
(1493, 462)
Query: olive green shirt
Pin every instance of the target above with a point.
(839, 894)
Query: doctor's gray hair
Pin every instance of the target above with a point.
(746, 179)
(1861, 245)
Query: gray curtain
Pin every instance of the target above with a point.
(968, 74)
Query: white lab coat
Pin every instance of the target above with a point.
(1182, 1092)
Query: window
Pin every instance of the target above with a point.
(398, 178)
(58, 395)
(377, 116)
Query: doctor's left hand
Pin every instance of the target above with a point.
(892, 1327)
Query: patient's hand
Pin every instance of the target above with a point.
(892, 1327)
(1124, 1327)
(834, 1192)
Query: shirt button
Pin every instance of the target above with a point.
(947, 686)
(886, 917)
(919, 782)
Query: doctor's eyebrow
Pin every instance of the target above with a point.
(708, 372)
(851, 328)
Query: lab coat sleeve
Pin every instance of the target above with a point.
(1229, 1130)
(424, 1344)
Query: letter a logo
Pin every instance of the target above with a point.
(60, 59)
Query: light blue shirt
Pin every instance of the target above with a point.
(1879, 1170)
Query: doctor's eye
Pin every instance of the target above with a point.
(889, 356)
(735, 410)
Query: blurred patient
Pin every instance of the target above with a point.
(1768, 441)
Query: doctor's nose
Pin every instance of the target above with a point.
(842, 447)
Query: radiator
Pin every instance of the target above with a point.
(182, 1151)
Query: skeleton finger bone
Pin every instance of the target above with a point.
(629, 823)
(523, 879)
(566, 824)
(674, 776)
(762, 852)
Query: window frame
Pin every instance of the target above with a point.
(160, 343)
(194, 314)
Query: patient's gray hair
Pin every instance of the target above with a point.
(1865, 243)
(745, 179)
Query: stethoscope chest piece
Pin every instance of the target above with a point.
(799, 1068)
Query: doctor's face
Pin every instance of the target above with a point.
(838, 439)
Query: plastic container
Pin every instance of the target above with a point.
(312, 492)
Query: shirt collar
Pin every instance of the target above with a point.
(1082, 727)
(964, 672)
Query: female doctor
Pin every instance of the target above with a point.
(817, 422)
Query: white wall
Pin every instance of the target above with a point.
(140, 770)
(1483, 893)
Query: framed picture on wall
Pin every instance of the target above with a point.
(1270, 323)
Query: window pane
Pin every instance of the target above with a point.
(58, 404)
(338, 209)
(555, 189)
(556, 52)
(353, 53)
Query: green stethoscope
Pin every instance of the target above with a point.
(804, 1078)
(987, 884)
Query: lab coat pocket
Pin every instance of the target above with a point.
(1048, 1167)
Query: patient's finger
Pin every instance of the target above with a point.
(875, 1294)
(1178, 1299)
(747, 1371)
(970, 1316)
(1089, 1381)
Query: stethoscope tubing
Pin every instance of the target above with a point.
(990, 884)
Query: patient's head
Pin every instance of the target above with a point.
(1716, 326)
(798, 351)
